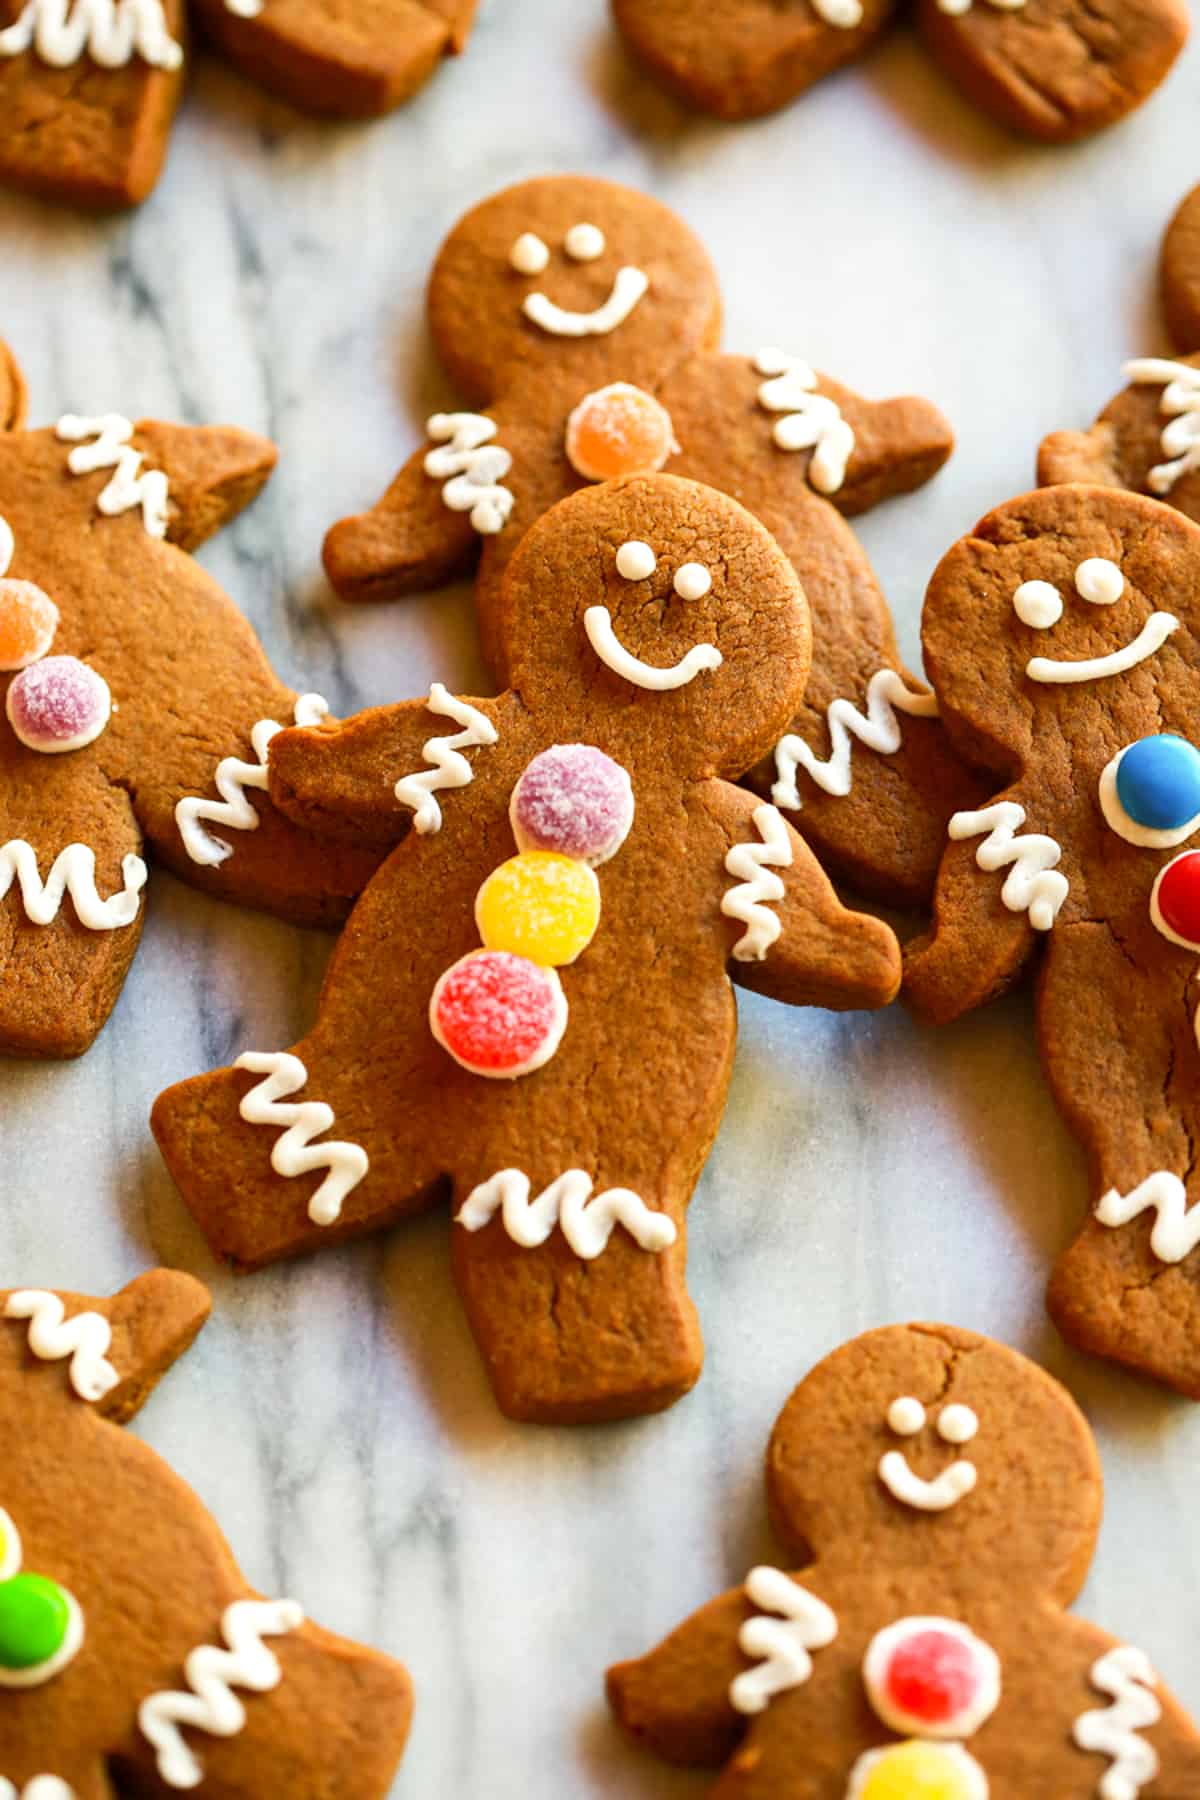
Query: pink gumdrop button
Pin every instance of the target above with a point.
(498, 1014)
(58, 704)
(1178, 897)
(933, 1677)
(575, 800)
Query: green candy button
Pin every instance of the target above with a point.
(34, 1620)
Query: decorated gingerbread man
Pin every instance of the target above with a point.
(940, 1498)
(1061, 636)
(530, 1005)
(136, 707)
(584, 318)
(88, 88)
(133, 1655)
(1052, 69)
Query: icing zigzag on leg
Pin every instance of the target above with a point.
(294, 1153)
(74, 873)
(587, 1220)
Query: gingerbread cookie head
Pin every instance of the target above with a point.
(128, 1637)
(564, 277)
(1067, 605)
(674, 631)
(917, 1433)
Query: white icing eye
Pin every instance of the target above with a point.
(906, 1416)
(692, 581)
(636, 561)
(1038, 603)
(957, 1424)
(584, 243)
(1099, 581)
(529, 256)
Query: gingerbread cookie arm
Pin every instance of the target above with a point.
(1147, 439)
(408, 542)
(792, 937)
(385, 770)
(110, 1353)
(13, 393)
(899, 445)
(213, 473)
(675, 1700)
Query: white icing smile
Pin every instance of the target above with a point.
(629, 287)
(956, 1425)
(1150, 638)
(597, 622)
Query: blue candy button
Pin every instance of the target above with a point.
(1158, 782)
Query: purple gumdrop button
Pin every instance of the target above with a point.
(58, 704)
(575, 800)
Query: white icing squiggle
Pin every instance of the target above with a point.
(53, 1337)
(233, 811)
(472, 469)
(110, 31)
(783, 1644)
(956, 8)
(751, 866)
(811, 421)
(112, 450)
(597, 622)
(1112, 1731)
(8, 545)
(879, 729)
(74, 873)
(587, 1220)
(212, 1674)
(1180, 437)
(450, 768)
(1150, 638)
(629, 287)
(244, 9)
(1176, 1229)
(294, 1153)
(1034, 884)
(42, 1787)
(939, 1495)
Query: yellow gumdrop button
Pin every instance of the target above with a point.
(922, 1771)
(539, 905)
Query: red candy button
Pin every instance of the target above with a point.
(932, 1677)
(498, 1014)
(1175, 900)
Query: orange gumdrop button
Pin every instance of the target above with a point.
(619, 430)
(28, 622)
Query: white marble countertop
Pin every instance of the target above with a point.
(334, 1415)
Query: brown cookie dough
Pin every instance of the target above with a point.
(1179, 273)
(189, 688)
(1056, 69)
(739, 58)
(126, 1620)
(656, 624)
(1061, 639)
(939, 1498)
(877, 816)
(97, 136)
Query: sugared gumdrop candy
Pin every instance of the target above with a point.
(575, 800)
(918, 1771)
(58, 704)
(28, 622)
(932, 1677)
(539, 905)
(498, 1014)
(619, 430)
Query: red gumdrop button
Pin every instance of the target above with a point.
(498, 1014)
(933, 1676)
(1179, 896)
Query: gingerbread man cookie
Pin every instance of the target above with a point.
(88, 88)
(584, 318)
(132, 1652)
(1061, 638)
(136, 706)
(1052, 69)
(531, 1005)
(940, 1498)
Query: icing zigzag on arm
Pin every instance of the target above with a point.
(1112, 1731)
(782, 1644)
(1034, 884)
(53, 1337)
(110, 31)
(233, 777)
(878, 729)
(472, 469)
(810, 421)
(587, 1221)
(212, 1674)
(450, 769)
(748, 863)
(113, 450)
(74, 873)
(1180, 437)
(293, 1154)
